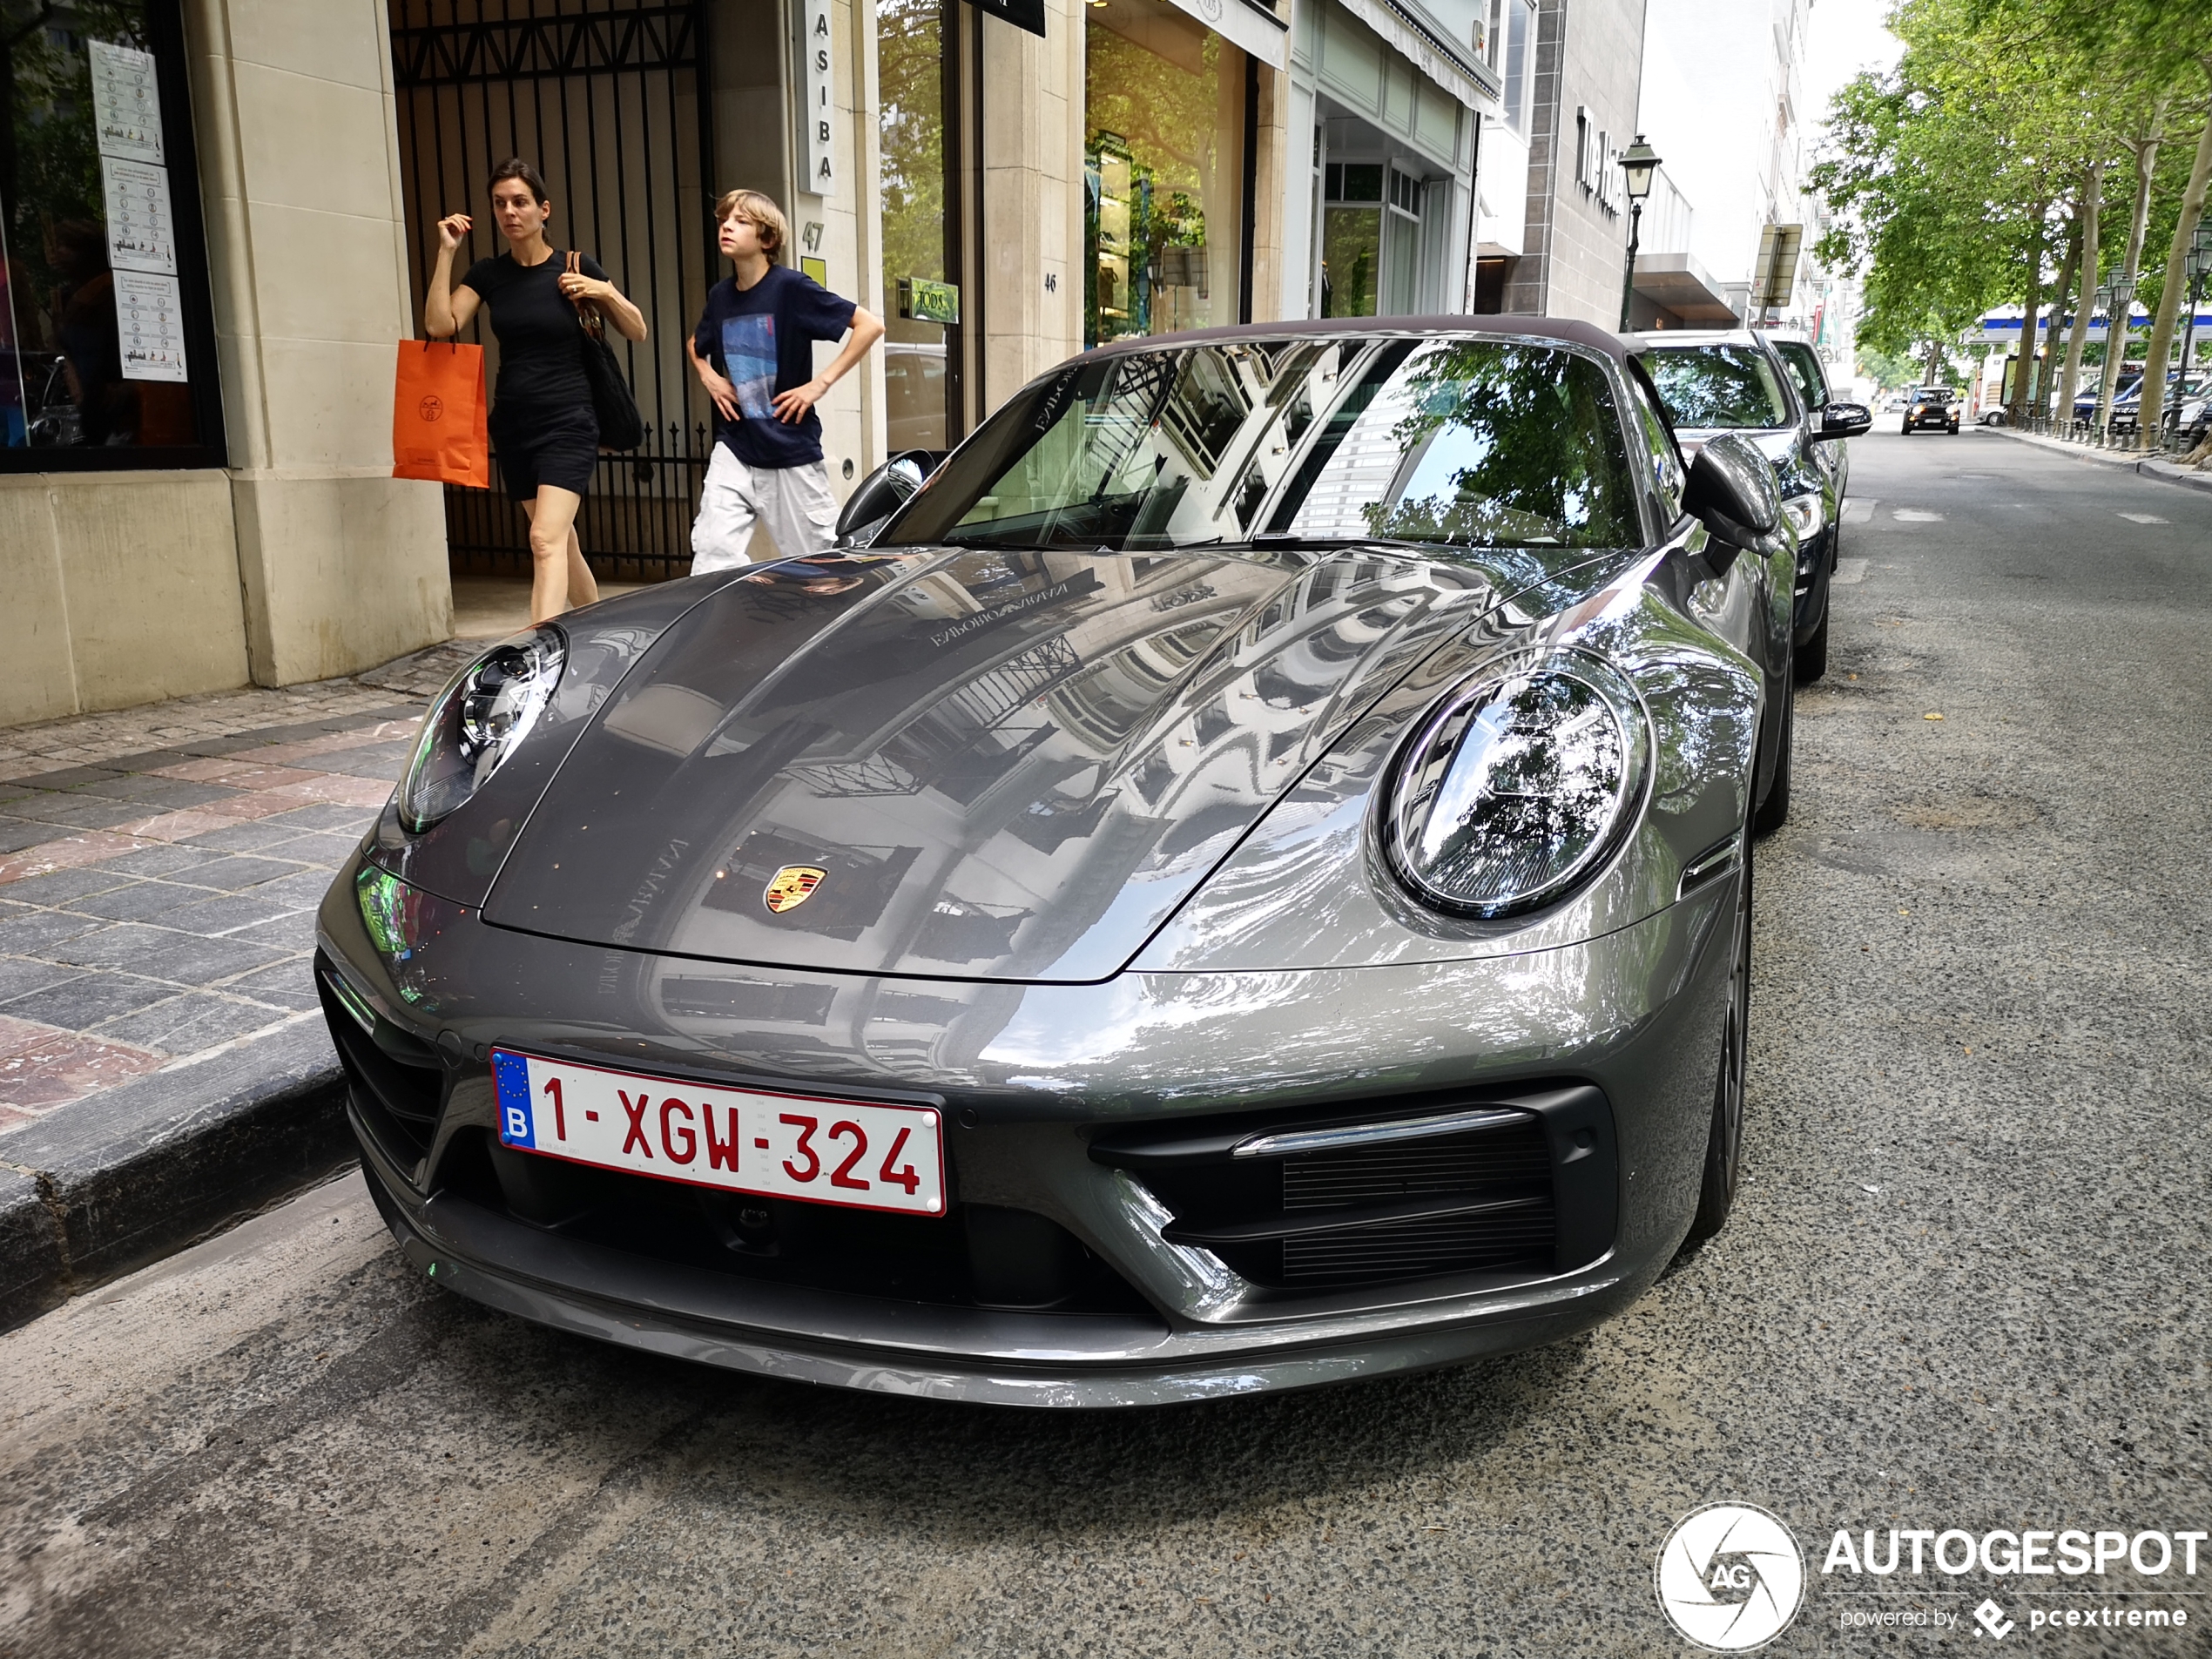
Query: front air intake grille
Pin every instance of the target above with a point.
(1396, 1192)
(398, 1098)
(1366, 1176)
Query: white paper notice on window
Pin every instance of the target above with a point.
(149, 326)
(141, 235)
(126, 103)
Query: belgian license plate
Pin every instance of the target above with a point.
(864, 1155)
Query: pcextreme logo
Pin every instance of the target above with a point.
(1730, 1577)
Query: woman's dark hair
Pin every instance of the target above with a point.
(516, 167)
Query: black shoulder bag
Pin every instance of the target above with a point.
(620, 428)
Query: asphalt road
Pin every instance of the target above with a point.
(1965, 1285)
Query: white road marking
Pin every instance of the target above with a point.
(1914, 515)
(1860, 512)
(2143, 518)
(1848, 571)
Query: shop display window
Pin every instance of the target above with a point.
(924, 303)
(1370, 240)
(1163, 172)
(106, 344)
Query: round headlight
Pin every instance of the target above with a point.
(477, 722)
(1516, 786)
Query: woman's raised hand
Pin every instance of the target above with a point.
(453, 229)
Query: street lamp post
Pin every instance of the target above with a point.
(1638, 162)
(2199, 266)
(2099, 306)
(2117, 319)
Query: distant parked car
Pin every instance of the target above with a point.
(2128, 406)
(2085, 400)
(1894, 403)
(1735, 381)
(1994, 415)
(2192, 421)
(1932, 409)
(1809, 374)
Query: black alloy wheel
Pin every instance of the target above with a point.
(1725, 1144)
(1773, 806)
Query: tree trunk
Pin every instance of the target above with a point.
(2174, 290)
(2016, 407)
(2145, 153)
(2065, 286)
(2070, 381)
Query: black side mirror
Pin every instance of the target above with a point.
(882, 493)
(1731, 491)
(1843, 421)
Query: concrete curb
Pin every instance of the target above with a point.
(2147, 466)
(123, 1177)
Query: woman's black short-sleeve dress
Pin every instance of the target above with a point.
(542, 427)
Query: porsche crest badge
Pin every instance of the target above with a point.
(791, 886)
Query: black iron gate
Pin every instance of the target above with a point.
(611, 101)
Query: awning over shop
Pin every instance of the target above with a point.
(1676, 283)
(1421, 44)
(1248, 25)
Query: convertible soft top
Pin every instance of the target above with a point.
(1564, 328)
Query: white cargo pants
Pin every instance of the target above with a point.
(795, 503)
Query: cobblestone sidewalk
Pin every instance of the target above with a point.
(159, 870)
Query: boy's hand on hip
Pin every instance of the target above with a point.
(723, 395)
(791, 406)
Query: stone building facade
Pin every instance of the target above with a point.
(1005, 181)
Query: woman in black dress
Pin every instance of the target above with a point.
(542, 423)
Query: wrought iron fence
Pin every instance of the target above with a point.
(610, 100)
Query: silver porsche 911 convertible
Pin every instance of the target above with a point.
(1241, 880)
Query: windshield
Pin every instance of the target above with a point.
(1717, 386)
(1465, 443)
(1805, 367)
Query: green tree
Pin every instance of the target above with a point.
(1957, 175)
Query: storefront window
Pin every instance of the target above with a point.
(106, 350)
(1163, 208)
(1351, 238)
(1370, 240)
(924, 306)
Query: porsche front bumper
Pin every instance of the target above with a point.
(1033, 1079)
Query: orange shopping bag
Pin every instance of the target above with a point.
(438, 429)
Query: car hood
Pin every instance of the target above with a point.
(965, 764)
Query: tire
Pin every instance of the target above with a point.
(1954, 428)
(1908, 429)
(1773, 806)
(1724, 1140)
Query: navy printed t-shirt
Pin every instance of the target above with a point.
(761, 340)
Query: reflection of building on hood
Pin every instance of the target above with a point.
(803, 582)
